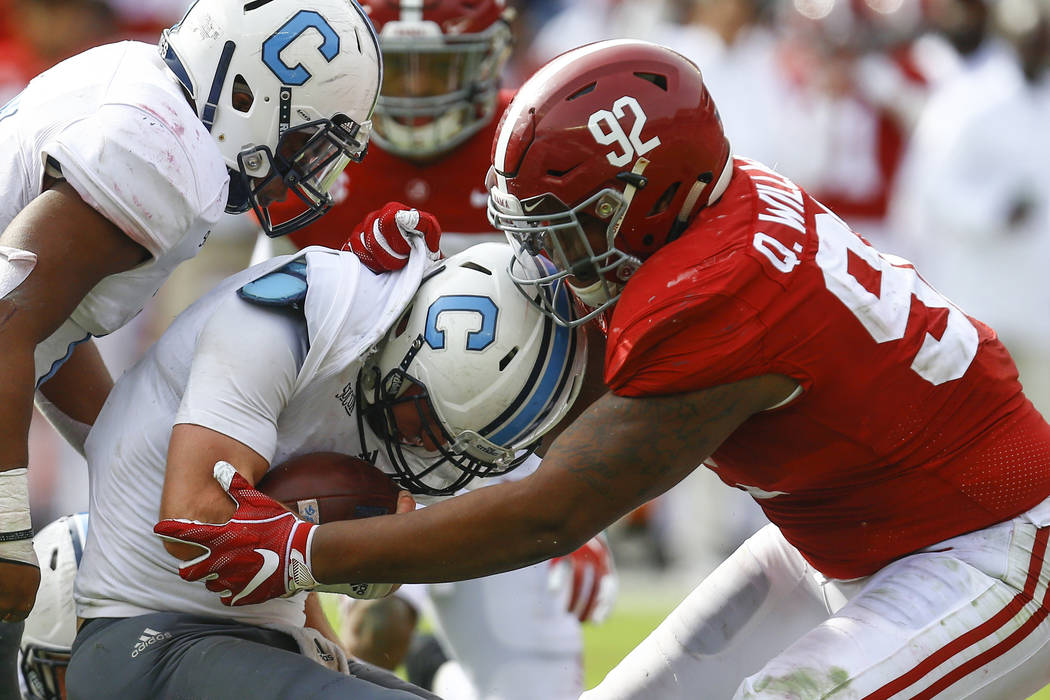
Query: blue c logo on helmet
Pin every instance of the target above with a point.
(292, 30)
(476, 340)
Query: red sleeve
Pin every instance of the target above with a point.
(703, 341)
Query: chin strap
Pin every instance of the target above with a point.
(634, 182)
(682, 220)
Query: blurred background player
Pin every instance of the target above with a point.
(432, 134)
(127, 158)
(47, 641)
(982, 239)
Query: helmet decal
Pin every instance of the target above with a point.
(287, 89)
(606, 128)
(476, 340)
(289, 32)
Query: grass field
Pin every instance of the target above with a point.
(630, 622)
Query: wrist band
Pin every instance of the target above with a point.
(14, 501)
(16, 535)
(16, 528)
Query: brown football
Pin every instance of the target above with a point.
(324, 487)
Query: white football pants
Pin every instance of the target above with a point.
(965, 618)
(512, 637)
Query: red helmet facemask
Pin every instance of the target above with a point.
(604, 156)
(442, 63)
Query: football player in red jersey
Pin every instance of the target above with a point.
(432, 136)
(881, 429)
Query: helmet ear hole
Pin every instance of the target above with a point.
(656, 79)
(665, 200)
(242, 98)
(507, 358)
(403, 323)
(471, 265)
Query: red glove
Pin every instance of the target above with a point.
(263, 552)
(381, 241)
(587, 580)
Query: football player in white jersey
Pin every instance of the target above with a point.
(119, 162)
(300, 354)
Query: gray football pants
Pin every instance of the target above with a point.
(173, 656)
(10, 639)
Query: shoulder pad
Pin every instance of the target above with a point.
(283, 287)
(179, 180)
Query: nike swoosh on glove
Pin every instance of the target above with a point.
(381, 241)
(262, 552)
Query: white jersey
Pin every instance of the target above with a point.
(279, 381)
(124, 136)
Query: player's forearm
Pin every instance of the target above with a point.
(80, 387)
(494, 529)
(16, 402)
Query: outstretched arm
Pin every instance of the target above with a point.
(620, 453)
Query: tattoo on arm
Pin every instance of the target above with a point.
(648, 444)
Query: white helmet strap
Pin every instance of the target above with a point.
(628, 195)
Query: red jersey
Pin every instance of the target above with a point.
(912, 426)
(452, 188)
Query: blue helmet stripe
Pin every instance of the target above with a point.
(554, 366)
(74, 523)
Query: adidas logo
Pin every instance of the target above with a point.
(147, 639)
(323, 655)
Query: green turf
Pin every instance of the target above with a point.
(606, 644)
(635, 615)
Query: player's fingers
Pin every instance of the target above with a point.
(430, 228)
(173, 530)
(386, 243)
(405, 502)
(230, 479)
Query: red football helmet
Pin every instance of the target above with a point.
(619, 138)
(442, 61)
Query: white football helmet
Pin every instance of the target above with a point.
(286, 87)
(47, 640)
(473, 351)
(443, 61)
